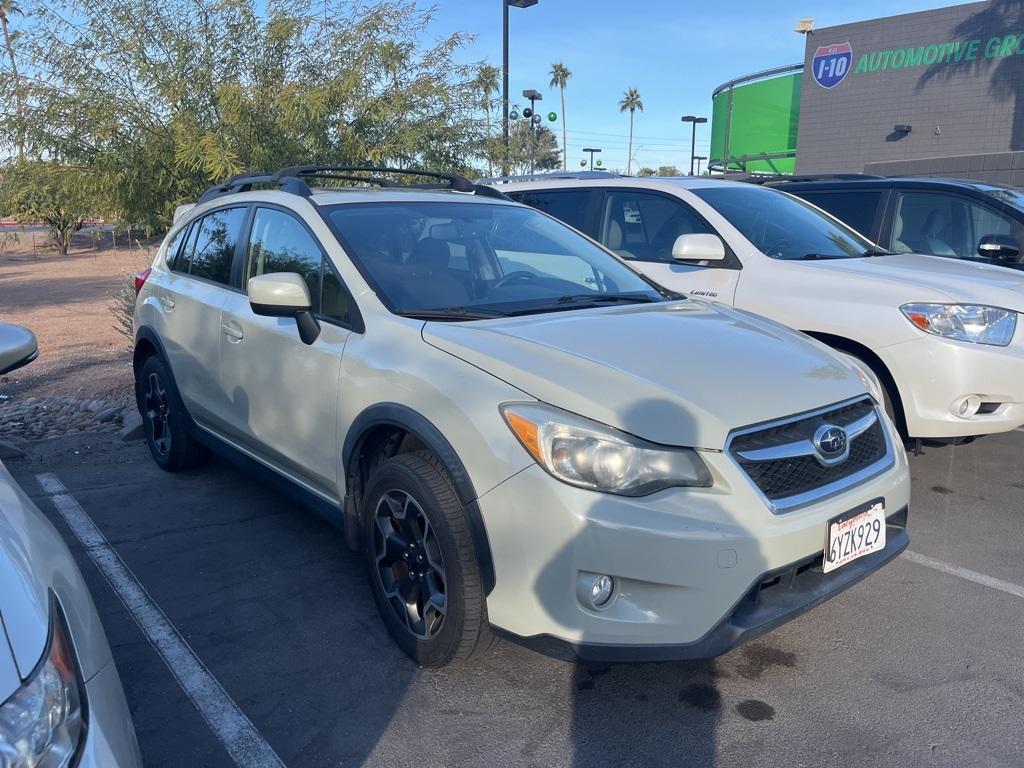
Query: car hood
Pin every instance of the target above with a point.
(680, 373)
(940, 277)
(33, 562)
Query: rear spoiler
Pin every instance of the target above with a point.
(181, 210)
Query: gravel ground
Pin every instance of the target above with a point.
(82, 380)
(32, 418)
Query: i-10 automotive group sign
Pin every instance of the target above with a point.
(830, 64)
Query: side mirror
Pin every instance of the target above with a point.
(999, 247)
(284, 294)
(698, 248)
(18, 347)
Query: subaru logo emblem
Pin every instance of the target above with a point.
(831, 444)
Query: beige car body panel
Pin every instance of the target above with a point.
(682, 373)
(35, 562)
(859, 300)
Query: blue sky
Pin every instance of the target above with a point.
(674, 51)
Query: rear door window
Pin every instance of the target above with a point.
(568, 205)
(856, 208)
(215, 245)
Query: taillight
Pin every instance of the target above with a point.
(140, 279)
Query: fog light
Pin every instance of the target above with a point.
(595, 591)
(966, 407)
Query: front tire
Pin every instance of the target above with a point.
(164, 421)
(421, 562)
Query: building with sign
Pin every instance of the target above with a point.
(936, 93)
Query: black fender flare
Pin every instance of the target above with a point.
(415, 423)
(148, 334)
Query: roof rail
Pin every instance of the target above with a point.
(243, 182)
(553, 176)
(780, 179)
(454, 181)
(294, 179)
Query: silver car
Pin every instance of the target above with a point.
(61, 701)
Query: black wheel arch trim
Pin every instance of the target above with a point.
(415, 423)
(874, 362)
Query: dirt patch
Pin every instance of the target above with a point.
(65, 301)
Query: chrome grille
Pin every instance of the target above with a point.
(781, 459)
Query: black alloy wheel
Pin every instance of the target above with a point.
(158, 409)
(410, 565)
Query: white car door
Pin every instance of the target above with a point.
(190, 298)
(282, 394)
(642, 225)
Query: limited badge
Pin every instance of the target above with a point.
(831, 63)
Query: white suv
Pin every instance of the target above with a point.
(520, 432)
(939, 335)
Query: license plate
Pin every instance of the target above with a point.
(854, 535)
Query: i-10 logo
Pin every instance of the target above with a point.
(831, 63)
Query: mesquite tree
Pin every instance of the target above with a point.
(156, 99)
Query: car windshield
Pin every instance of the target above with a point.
(1008, 195)
(784, 227)
(451, 260)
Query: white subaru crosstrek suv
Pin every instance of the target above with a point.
(940, 336)
(519, 431)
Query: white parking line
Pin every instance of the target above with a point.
(963, 573)
(229, 724)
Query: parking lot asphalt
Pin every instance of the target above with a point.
(913, 666)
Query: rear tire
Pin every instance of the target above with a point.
(421, 561)
(164, 421)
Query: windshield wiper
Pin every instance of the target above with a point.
(820, 257)
(450, 313)
(878, 252)
(585, 301)
(605, 298)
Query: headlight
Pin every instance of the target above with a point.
(964, 322)
(590, 455)
(42, 723)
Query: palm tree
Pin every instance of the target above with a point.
(560, 75)
(486, 83)
(631, 100)
(8, 9)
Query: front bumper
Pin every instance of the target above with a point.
(932, 373)
(110, 737)
(683, 560)
(774, 599)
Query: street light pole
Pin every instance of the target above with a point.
(504, 73)
(698, 158)
(591, 150)
(504, 86)
(534, 96)
(693, 136)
